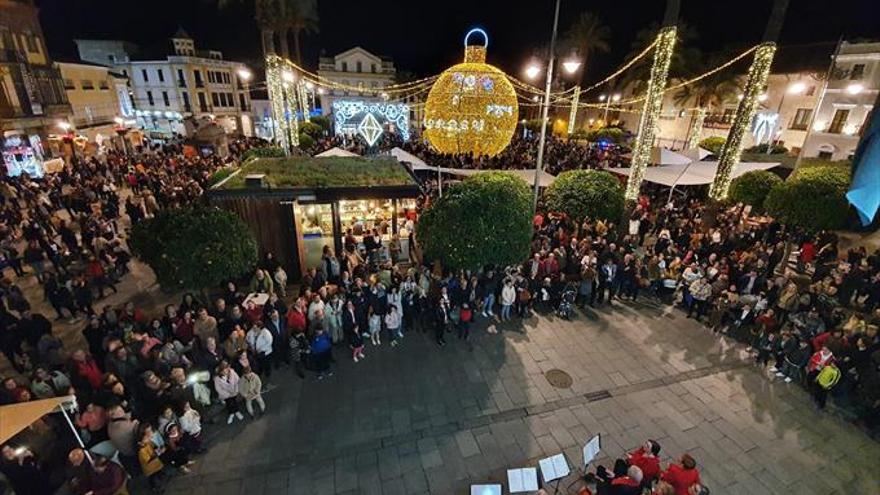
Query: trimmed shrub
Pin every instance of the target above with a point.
(751, 188)
(485, 219)
(322, 121)
(310, 128)
(813, 198)
(777, 149)
(194, 248)
(612, 134)
(263, 152)
(586, 193)
(220, 174)
(713, 144)
(306, 141)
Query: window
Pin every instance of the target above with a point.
(231, 99)
(181, 81)
(150, 98)
(857, 72)
(215, 99)
(144, 75)
(344, 66)
(360, 67)
(103, 84)
(811, 90)
(801, 119)
(226, 78)
(211, 76)
(161, 75)
(111, 58)
(838, 121)
(203, 105)
(186, 105)
(165, 99)
(87, 84)
(242, 101)
(69, 84)
(197, 75)
(825, 155)
(373, 68)
(31, 42)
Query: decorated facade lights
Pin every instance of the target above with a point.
(745, 112)
(653, 103)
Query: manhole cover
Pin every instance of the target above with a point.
(558, 378)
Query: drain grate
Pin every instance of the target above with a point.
(559, 378)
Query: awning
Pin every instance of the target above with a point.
(335, 152)
(406, 157)
(16, 417)
(692, 174)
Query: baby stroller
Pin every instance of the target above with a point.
(566, 302)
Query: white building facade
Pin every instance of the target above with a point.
(848, 100)
(99, 100)
(356, 68)
(187, 83)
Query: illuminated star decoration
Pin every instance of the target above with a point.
(370, 129)
(348, 116)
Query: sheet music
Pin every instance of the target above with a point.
(522, 480)
(591, 449)
(561, 466)
(554, 467)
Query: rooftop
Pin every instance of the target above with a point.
(323, 173)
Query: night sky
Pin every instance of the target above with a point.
(425, 37)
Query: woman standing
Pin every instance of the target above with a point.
(226, 385)
(333, 318)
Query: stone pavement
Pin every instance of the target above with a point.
(421, 419)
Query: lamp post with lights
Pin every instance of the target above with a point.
(532, 72)
(69, 137)
(608, 99)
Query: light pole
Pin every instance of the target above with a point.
(607, 100)
(532, 72)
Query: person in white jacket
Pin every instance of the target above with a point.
(508, 297)
(392, 323)
(226, 385)
(259, 341)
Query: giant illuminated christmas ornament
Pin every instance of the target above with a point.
(472, 106)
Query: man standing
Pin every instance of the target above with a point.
(607, 275)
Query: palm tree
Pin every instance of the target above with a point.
(637, 76)
(296, 17)
(587, 36)
(711, 91)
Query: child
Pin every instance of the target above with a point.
(148, 457)
(375, 325)
(191, 425)
(249, 387)
(466, 315)
(356, 342)
(392, 322)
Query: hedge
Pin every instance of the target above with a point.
(713, 144)
(485, 219)
(751, 188)
(813, 198)
(305, 141)
(613, 134)
(263, 152)
(586, 193)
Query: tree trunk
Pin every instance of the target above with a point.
(296, 47)
(267, 38)
(282, 44)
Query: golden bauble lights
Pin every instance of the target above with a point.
(472, 106)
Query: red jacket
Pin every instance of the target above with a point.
(650, 465)
(680, 478)
(818, 361)
(296, 321)
(88, 370)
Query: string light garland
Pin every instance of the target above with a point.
(731, 152)
(282, 97)
(572, 117)
(472, 107)
(696, 129)
(623, 68)
(653, 103)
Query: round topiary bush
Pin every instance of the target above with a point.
(310, 128)
(194, 248)
(751, 188)
(813, 198)
(323, 121)
(776, 149)
(485, 219)
(713, 144)
(610, 134)
(586, 193)
(305, 141)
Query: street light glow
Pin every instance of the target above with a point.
(535, 98)
(855, 88)
(309, 85)
(797, 88)
(532, 71)
(571, 66)
(65, 126)
(245, 74)
(287, 76)
(616, 98)
(601, 97)
(762, 97)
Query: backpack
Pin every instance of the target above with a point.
(828, 377)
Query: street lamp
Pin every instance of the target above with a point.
(855, 88)
(532, 71)
(797, 88)
(245, 74)
(608, 99)
(571, 65)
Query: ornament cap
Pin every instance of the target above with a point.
(475, 54)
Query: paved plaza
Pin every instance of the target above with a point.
(421, 419)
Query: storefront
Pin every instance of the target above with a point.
(22, 154)
(296, 224)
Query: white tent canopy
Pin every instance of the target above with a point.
(663, 156)
(695, 154)
(336, 151)
(693, 174)
(406, 157)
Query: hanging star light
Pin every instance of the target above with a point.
(651, 111)
(731, 152)
(472, 106)
(370, 129)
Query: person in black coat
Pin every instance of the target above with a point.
(32, 326)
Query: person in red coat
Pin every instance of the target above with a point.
(682, 476)
(296, 319)
(646, 458)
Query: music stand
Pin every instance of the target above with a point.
(590, 450)
(522, 480)
(554, 468)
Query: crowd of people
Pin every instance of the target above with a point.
(144, 383)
